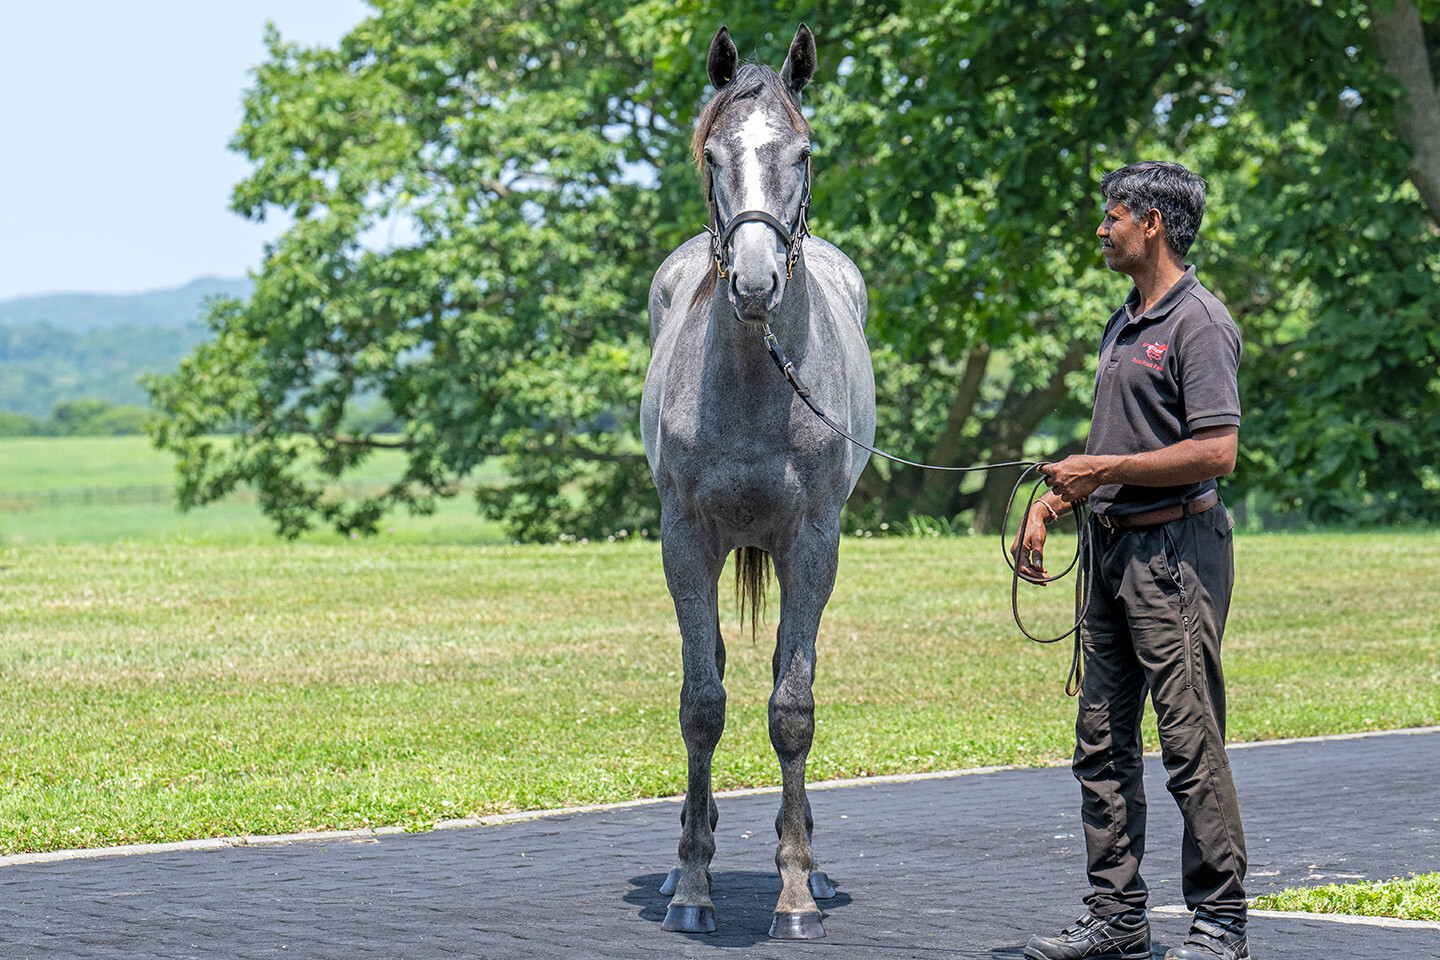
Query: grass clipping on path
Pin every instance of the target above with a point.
(1415, 898)
(152, 692)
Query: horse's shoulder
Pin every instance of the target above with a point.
(839, 275)
(677, 278)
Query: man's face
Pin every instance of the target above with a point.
(1122, 239)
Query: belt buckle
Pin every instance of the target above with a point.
(1105, 521)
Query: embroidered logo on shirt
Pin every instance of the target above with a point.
(1156, 351)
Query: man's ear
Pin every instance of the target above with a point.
(1154, 224)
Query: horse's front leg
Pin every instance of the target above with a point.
(692, 571)
(806, 572)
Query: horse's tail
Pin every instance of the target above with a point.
(752, 578)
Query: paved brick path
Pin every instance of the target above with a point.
(962, 867)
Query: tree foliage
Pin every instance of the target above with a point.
(534, 157)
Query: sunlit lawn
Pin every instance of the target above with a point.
(164, 690)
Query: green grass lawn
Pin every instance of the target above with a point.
(1412, 898)
(165, 690)
(108, 489)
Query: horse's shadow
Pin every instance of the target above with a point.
(744, 906)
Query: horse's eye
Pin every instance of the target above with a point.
(709, 157)
(804, 155)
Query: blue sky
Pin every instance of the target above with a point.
(114, 119)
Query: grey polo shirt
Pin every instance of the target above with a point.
(1163, 375)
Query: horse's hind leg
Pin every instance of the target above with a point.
(692, 573)
(806, 572)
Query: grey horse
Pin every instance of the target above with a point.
(740, 464)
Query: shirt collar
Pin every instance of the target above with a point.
(1166, 303)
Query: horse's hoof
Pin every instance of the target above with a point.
(800, 925)
(689, 918)
(672, 880)
(820, 886)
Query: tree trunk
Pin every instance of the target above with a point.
(1400, 38)
(938, 487)
(1019, 416)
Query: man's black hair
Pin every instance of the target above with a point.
(1177, 193)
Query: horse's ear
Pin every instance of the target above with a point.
(800, 62)
(724, 58)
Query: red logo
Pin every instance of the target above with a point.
(1156, 351)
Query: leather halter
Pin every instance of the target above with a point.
(722, 234)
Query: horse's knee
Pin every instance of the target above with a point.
(792, 720)
(702, 714)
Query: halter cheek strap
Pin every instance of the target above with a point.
(720, 237)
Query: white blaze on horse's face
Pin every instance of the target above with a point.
(758, 163)
(755, 134)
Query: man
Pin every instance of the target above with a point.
(1165, 425)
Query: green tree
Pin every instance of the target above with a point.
(95, 418)
(17, 425)
(539, 152)
(1335, 255)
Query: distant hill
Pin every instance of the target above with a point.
(83, 312)
(74, 346)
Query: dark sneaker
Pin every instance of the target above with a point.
(1091, 938)
(1209, 940)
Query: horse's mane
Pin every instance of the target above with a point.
(752, 79)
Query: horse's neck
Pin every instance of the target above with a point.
(744, 343)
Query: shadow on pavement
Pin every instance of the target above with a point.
(744, 906)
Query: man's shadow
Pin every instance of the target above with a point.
(744, 906)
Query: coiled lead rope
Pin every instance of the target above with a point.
(1083, 546)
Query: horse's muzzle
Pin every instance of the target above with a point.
(755, 307)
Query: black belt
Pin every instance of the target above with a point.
(1154, 518)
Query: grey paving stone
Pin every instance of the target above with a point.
(964, 867)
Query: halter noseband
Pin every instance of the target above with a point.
(721, 235)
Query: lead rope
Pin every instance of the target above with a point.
(1083, 545)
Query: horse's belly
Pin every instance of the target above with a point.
(746, 497)
(741, 489)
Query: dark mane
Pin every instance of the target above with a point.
(753, 79)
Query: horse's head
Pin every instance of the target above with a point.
(753, 146)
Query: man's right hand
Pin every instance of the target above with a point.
(1030, 554)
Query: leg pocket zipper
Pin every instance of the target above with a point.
(1189, 652)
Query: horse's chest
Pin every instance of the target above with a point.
(743, 467)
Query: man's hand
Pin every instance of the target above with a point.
(1075, 478)
(1209, 453)
(1030, 555)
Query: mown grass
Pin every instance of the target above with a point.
(1412, 898)
(158, 691)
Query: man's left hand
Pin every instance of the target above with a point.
(1075, 478)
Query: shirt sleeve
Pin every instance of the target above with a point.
(1209, 373)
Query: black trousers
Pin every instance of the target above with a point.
(1159, 602)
